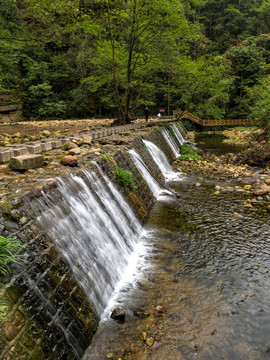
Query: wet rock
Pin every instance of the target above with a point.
(143, 335)
(69, 160)
(149, 341)
(13, 325)
(6, 207)
(141, 354)
(109, 355)
(155, 346)
(261, 192)
(141, 313)
(268, 208)
(267, 181)
(200, 152)
(118, 314)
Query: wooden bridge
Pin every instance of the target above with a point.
(227, 122)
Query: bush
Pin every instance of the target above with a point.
(125, 178)
(188, 152)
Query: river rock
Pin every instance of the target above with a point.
(143, 335)
(69, 160)
(109, 355)
(86, 139)
(118, 314)
(26, 162)
(69, 145)
(261, 192)
(75, 151)
(46, 133)
(267, 181)
(155, 346)
(149, 341)
(141, 354)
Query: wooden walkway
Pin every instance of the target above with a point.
(227, 122)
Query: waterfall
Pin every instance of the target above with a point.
(161, 160)
(171, 142)
(96, 231)
(138, 161)
(178, 134)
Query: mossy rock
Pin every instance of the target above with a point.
(6, 207)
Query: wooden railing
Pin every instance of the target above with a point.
(225, 122)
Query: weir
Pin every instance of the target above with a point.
(80, 233)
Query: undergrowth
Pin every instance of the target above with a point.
(8, 248)
(188, 152)
(125, 178)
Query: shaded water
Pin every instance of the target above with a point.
(215, 143)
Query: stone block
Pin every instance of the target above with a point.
(56, 144)
(20, 150)
(6, 155)
(46, 145)
(35, 148)
(26, 162)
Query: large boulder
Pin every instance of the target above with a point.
(26, 162)
(69, 160)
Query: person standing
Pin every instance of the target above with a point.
(146, 113)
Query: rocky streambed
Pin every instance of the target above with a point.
(204, 293)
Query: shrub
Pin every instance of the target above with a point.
(188, 152)
(125, 178)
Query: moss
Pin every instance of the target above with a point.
(6, 207)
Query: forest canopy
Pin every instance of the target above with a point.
(83, 58)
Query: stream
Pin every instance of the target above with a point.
(202, 282)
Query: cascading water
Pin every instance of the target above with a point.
(171, 142)
(161, 160)
(178, 134)
(153, 185)
(92, 229)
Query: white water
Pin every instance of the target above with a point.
(93, 232)
(178, 134)
(138, 161)
(161, 160)
(171, 142)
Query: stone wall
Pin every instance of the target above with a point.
(46, 315)
(10, 108)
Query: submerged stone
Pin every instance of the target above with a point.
(118, 314)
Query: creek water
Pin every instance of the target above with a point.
(203, 291)
(216, 143)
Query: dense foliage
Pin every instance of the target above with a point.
(76, 58)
